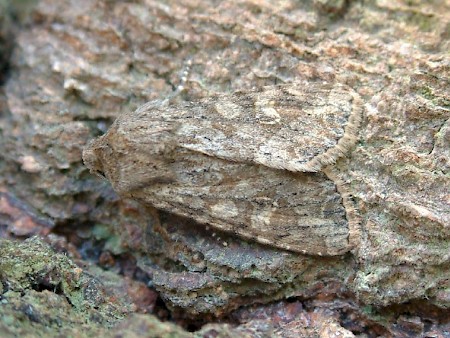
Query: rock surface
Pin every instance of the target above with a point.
(78, 65)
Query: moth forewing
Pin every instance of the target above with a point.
(296, 211)
(293, 127)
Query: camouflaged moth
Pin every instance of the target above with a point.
(257, 164)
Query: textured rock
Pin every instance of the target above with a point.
(5, 38)
(46, 289)
(44, 293)
(77, 67)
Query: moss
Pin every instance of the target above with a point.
(49, 290)
(113, 242)
(32, 264)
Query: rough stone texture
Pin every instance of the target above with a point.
(46, 289)
(78, 65)
(5, 38)
(44, 293)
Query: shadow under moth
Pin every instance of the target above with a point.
(258, 164)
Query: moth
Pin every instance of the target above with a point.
(256, 163)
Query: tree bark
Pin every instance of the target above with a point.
(76, 66)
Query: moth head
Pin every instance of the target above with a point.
(132, 161)
(91, 159)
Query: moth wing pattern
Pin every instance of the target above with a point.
(294, 127)
(246, 163)
(300, 212)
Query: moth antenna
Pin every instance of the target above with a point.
(184, 76)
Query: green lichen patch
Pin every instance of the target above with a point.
(46, 291)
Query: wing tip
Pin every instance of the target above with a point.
(344, 144)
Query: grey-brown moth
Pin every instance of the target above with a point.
(254, 163)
